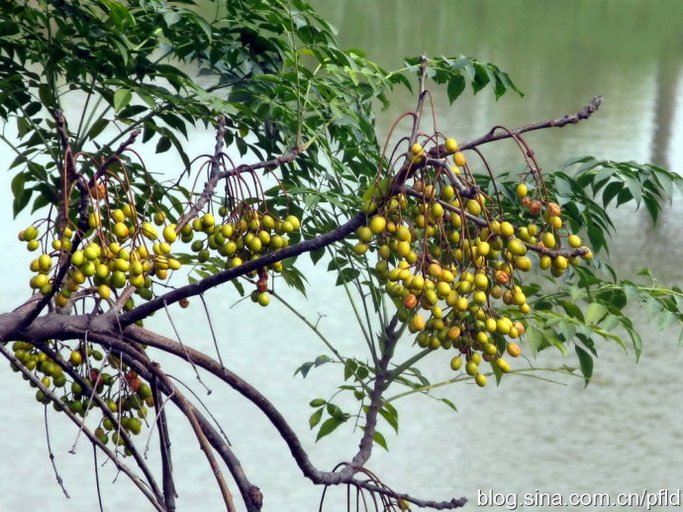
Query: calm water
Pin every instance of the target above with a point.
(621, 434)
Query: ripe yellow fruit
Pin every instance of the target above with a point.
(456, 363)
(417, 323)
(104, 291)
(437, 211)
(294, 221)
(555, 222)
(522, 190)
(473, 207)
(128, 210)
(574, 241)
(170, 234)
(480, 379)
(208, 220)
(481, 281)
(514, 349)
(120, 230)
(548, 240)
(364, 234)
(459, 159)
(451, 145)
(447, 192)
(523, 263)
(360, 248)
(378, 224)
(416, 149)
(506, 229)
(560, 262)
(403, 234)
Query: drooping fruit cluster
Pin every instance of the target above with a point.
(453, 267)
(123, 248)
(125, 396)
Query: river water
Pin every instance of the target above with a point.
(622, 434)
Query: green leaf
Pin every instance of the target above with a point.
(317, 402)
(390, 414)
(18, 184)
(449, 403)
(97, 128)
(455, 87)
(122, 98)
(21, 201)
(164, 144)
(586, 362)
(328, 426)
(379, 439)
(595, 312)
(315, 417)
(336, 412)
(534, 338)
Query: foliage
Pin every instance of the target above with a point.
(410, 231)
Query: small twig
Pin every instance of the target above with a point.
(213, 332)
(97, 478)
(52, 455)
(177, 334)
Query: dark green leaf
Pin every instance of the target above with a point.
(455, 87)
(328, 426)
(315, 418)
(586, 362)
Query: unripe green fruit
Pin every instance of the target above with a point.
(118, 279)
(37, 282)
(77, 258)
(90, 252)
(101, 270)
(516, 247)
(263, 298)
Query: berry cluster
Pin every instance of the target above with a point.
(454, 268)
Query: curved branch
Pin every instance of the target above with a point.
(559, 122)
